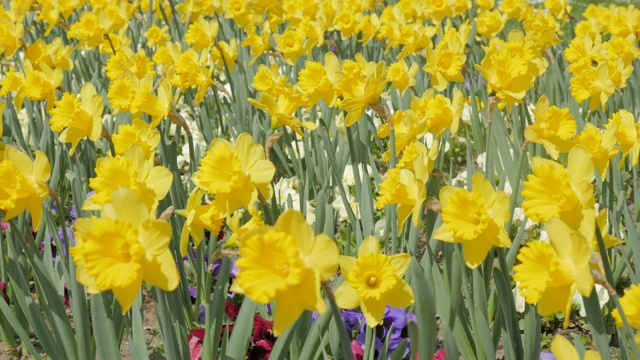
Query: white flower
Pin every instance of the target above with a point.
(340, 207)
(518, 215)
(518, 299)
(349, 178)
(603, 298)
(285, 188)
(466, 114)
(460, 180)
(380, 226)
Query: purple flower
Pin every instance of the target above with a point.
(547, 356)
(202, 312)
(216, 268)
(395, 321)
(352, 320)
(54, 249)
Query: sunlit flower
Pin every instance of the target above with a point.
(564, 349)
(138, 132)
(373, 281)
(132, 170)
(286, 262)
(202, 34)
(401, 76)
(550, 273)
(238, 230)
(554, 128)
(194, 224)
(122, 248)
(76, 118)
(235, 173)
(406, 189)
(364, 93)
(282, 111)
(627, 134)
(475, 219)
(601, 146)
(592, 83)
(23, 184)
(572, 195)
(630, 303)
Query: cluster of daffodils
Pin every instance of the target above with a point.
(245, 101)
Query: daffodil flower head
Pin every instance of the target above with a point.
(564, 349)
(601, 146)
(285, 262)
(76, 118)
(572, 194)
(138, 132)
(23, 184)
(475, 219)
(550, 273)
(198, 217)
(373, 281)
(235, 173)
(630, 303)
(132, 170)
(124, 247)
(554, 128)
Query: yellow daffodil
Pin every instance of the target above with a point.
(124, 247)
(401, 76)
(202, 33)
(564, 349)
(630, 303)
(157, 35)
(132, 170)
(140, 133)
(406, 189)
(257, 43)
(23, 184)
(194, 225)
(445, 63)
(550, 273)
(592, 83)
(282, 111)
(373, 281)
(601, 146)
(475, 219)
(285, 262)
(510, 68)
(76, 118)
(39, 84)
(89, 30)
(237, 230)
(290, 44)
(125, 59)
(317, 81)
(608, 239)
(627, 135)
(365, 93)
(225, 54)
(572, 196)
(554, 128)
(128, 93)
(235, 174)
(489, 23)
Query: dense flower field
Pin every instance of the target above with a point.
(319, 179)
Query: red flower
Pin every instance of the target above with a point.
(196, 337)
(3, 288)
(232, 309)
(262, 339)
